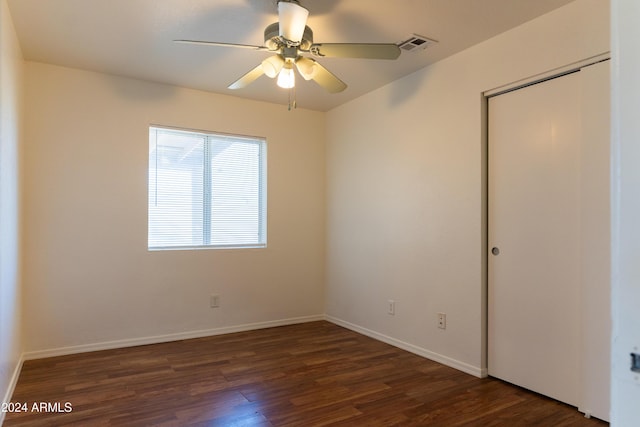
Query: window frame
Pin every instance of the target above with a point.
(261, 142)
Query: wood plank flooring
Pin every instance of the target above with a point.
(313, 374)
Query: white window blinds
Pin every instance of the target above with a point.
(206, 190)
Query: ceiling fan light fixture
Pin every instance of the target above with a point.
(292, 19)
(287, 78)
(289, 39)
(272, 65)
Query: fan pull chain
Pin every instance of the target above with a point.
(292, 98)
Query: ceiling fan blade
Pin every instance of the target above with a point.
(248, 78)
(356, 50)
(307, 67)
(292, 19)
(242, 46)
(326, 79)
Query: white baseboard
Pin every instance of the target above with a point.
(84, 348)
(12, 386)
(456, 364)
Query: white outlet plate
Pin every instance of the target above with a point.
(391, 307)
(214, 301)
(442, 321)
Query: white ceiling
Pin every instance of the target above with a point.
(133, 38)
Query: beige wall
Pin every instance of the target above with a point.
(10, 146)
(405, 217)
(89, 279)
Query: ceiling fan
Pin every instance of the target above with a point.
(289, 39)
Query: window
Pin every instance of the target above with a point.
(206, 190)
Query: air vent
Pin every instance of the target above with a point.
(415, 43)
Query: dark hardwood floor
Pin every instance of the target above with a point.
(313, 374)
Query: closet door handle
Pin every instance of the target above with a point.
(495, 251)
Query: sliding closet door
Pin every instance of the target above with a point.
(534, 234)
(549, 238)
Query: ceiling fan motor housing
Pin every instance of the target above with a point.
(273, 41)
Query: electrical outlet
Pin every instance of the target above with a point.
(442, 321)
(214, 301)
(391, 307)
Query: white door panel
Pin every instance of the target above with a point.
(534, 220)
(596, 241)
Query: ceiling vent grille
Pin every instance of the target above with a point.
(415, 43)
